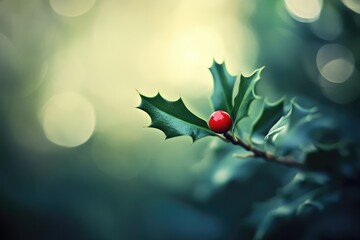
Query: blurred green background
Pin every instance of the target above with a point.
(76, 160)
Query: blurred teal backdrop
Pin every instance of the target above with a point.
(75, 159)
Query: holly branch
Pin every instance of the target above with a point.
(232, 101)
(258, 153)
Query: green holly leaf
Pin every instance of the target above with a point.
(270, 113)
(245, 95)
(279, 128)
(223, 87)
(293, 120)
(173, 118)
(290, 135)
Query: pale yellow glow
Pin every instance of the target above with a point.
(304, 10)
(128, 52)
(68, 119)
(167, 48)
(72, 8)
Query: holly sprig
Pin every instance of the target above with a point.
(283, 129)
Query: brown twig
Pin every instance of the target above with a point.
(262, 154)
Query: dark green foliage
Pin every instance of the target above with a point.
(291, 133)
(284, 134)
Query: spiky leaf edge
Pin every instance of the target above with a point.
(153, 125)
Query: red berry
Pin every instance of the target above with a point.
(220, 122)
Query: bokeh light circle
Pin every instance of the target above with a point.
(335, 63)
(304, 10)
(354, 5)
(68, 119)
(72, 8)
